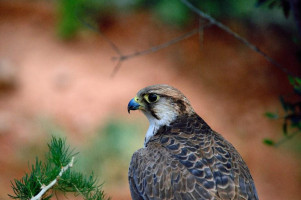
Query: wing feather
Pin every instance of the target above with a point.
(167, 179)
(188, 160)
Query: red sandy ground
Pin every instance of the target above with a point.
(229, 86)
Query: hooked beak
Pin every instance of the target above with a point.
(134, 104)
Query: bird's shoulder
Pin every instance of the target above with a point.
(210, 158)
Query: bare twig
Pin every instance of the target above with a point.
(236, 35)
(212, 21)
(45, 188)
(153, 49)
(288, 137)
(117, 67)
(157, 48)
(201, 32)
(110, 42)
(121, 57)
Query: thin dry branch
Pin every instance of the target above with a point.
(153, 49)
(116, 68)
(121, 57)
(211, 21)
(284, 139)
(110, 42)
(161, 46)
(236, 35)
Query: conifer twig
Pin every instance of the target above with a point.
(52, 183)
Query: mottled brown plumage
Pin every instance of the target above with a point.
(184, 158)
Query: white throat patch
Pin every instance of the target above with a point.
(166, 116)
(152, 129)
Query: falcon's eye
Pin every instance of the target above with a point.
(151, 98)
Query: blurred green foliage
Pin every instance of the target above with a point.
(72, 12)
(271, 115)
(292, 114)
(283, 4)
(68, 22)
(109, 153)
(226, 9)
(171, 12)
(292, 108)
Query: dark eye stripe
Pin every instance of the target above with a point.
(154, 114)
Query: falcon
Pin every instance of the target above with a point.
(182, 157)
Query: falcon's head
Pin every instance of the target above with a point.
(161, 104)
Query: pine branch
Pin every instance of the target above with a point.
(55, 175)
(52, 183)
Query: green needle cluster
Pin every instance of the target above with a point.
(56, 174)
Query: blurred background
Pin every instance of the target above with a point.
(56, 78)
